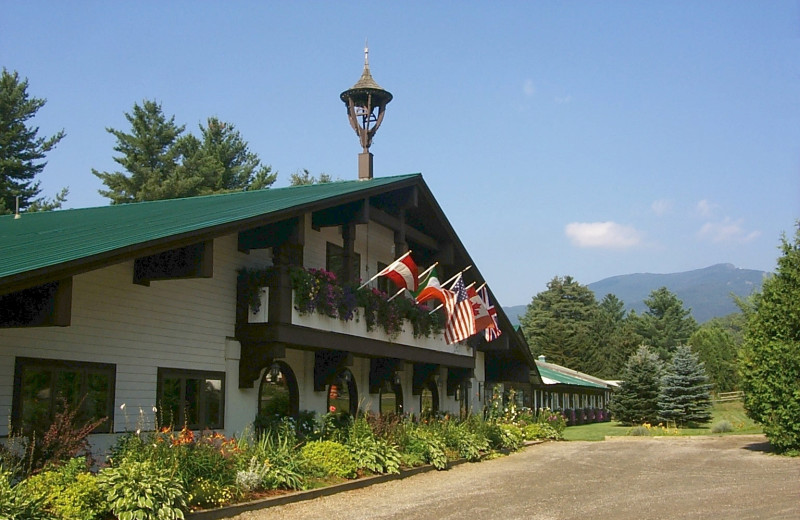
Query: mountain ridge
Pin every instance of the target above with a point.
(707, 291)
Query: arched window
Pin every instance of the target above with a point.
(278, 395)
(391, 398)
(429, 398)
(343, 394)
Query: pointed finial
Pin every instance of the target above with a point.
(366, 53)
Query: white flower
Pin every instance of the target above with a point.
(122, 406)
(155, 409)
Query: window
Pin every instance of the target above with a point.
(278, 392)
(429, 399)
(43, 386)
(191, 398)
(342, 394)
(334, 262)
(391, 398)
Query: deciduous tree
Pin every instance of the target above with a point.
(717, 348)
(22, 150)
(770, 356)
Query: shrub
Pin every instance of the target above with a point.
(336, 426)
(68, 492)
(419, 444)
(329, 458)
(207, 493)
(722, 427)
(370, 452)
(65, 438)
(17, 502)
(275, 455)
(511, 437)
(252, 478)
(540, 431)
(142, 491)
(639, 431)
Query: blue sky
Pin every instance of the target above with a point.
(588, 139)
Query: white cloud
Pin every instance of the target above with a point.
(563, 100)
(705, 208)
(726, 231)
(528, 88)
(661, 206)
(605, 235)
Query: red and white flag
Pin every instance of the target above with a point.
(403, 272)
(461, 323)
(493, 331)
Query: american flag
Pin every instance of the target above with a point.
(461, 324)
(493, 331)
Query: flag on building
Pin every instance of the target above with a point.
(479, 310)
(403, 272)
(430, 289)
(493, 331)
(461, 323)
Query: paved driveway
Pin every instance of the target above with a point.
(729, 478)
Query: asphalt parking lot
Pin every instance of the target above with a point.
(730, 477)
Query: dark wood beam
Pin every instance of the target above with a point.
(192, 261)
(352, 213)
(254, 358)
(46, 305)
(272, 235)
(395, 224)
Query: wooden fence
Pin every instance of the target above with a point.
(729, 396)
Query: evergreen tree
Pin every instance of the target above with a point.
(225, 160)
(770, 356)
(636, 400)
(558, 323)
(300, 179)
(684, 396)
(614, 339)
(717, 348)
(149, 157)
(21, 150)
(162, 163)
(665, 324)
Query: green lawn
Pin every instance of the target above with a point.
(733, 412)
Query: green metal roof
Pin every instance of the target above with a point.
(41, 240)
(565, 379)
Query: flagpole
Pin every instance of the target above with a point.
(457, 275)
(426, 271)
(481, 287)
(379, 272)
(395, 295)
(437, 308)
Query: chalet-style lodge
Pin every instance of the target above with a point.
(207, 311)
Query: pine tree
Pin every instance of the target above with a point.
(162, 163)
(149, 157)
(636, 401)
(666, 323)
(558, 323)
(21, 150)
(614, 339)
(685, 392)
